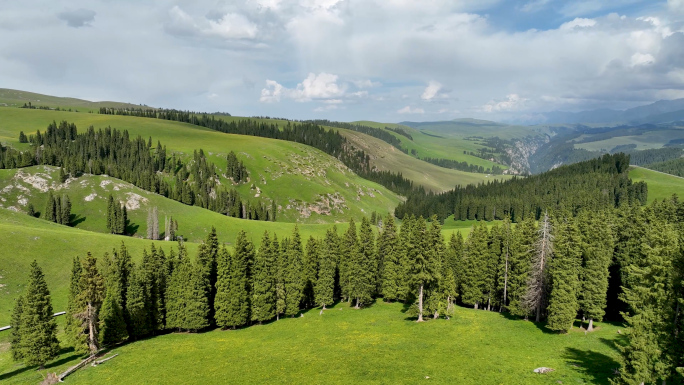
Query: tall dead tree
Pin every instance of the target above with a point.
(537, 286)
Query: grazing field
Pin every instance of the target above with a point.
(302, 180)
(16, 98)
(646, 141)
(89, 194)
(384, 156)
(660, 185)
(376, 345)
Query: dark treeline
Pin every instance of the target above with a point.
(672, 167)
(463, 166)
(658, 155)
(372, 131)
(57, 209)
(112, 152)
(595, 265)
(594, 184)
(328, 141)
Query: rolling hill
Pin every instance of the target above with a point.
(308, 185)
(17, 98)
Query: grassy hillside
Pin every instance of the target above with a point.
(16, 98)
(432, 145)
(660, 185)
(386, 157)
(89, 195)
(377, 345)
(308, 185)
(644, 141)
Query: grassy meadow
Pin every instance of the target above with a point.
(660, 185)
(301, 179)
(376, 345)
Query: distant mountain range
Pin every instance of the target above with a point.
(663, 111)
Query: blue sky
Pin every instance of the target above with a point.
(384, 60)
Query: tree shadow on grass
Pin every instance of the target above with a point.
(599, 367)
(76, 219)
(53, 364)
(540, 325)
(132, 229)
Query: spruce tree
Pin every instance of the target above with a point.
(564, 275)
(424, 269)
(112, 324)
(476, 257)
(455, 252)
(15, 331)
(38, 328)
(388, 251)
(111, 215)
(263, 282)
(536, 295)
(138, 304)
(325, 283)
(440, 291)
(178, 289)
(65, 213)
(645, 290)
(237, 310)
(197, 305)
(406, 252)
(206, 261)
(49, 213)
(597, 255)
(280, 268)
(505, 261)
(72, 328)
(363, 267)
(524, 237)
(90, 298)
(310, 273)
(293, 274)
(349, 251)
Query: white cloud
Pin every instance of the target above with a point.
(431, 90)
(641, 59)
(229, 27)
(577, 23)
(410, 110)
(676, 5)
(321, 86)
(366, 83)
(513, 102)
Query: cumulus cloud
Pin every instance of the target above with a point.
(229, 26)
(77, 18)
(321, 86)
(641, 59)
(366, 83)
(577, 23)
(512, 102)
(431, 90)
(411, 110)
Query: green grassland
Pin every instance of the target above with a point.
(16, 98)
(384, 156)
(89, 195)
(660, 185)
(376, 345)
(302, 180)
(431, 145)
(648, 140)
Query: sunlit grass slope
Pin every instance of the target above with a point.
(304, 182)
(377, 345)
(660, 185)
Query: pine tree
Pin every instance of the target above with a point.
(538, 284)
(112, 323)
(138, 304)
(440, 291)
(90, 297)
(65, 213)
(476, 256)
(597, 255)
(524, 237)
(325, 283)
(645, 290)
(564, 275)
(505, 261)
(293, 274)
(310, 273)
(197, 305)
(49, 213)
(363, 267)
(176, 294)
(207, 254)
(280, 268)
(388, 251)
(38, 328)
(15, 331)
(424, 269)
(406, 251)
(237, 298)
(111, 215)
(263, 282)
(72, 328)
(349, 250)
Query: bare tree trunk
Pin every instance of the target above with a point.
(535, 297)
(92, 332)
(489, 304)
(591, 325)
(357, 303)
(475, 306)
(420, 304)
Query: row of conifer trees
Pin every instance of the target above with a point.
(554, 270)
